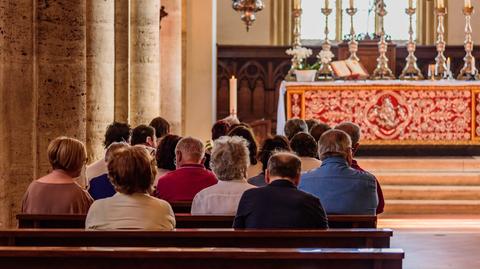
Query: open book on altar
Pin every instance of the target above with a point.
(349, 69)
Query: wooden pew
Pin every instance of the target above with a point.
(181, 206)
(183, 221)
(331, 238)
(197, 258)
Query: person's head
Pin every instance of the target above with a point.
(131, 171)
(335, 143)
(144, 135)
(284, 165)
(189, 150)
(161, 126)
(67, 154)
(112, 148)
(231, 120)
(230, 158)
(116, 132)
(295, 126)
(311, 122)
(270, 145)
(353, 131)
(219, 129)
(304, 145)
(165, 154)
(247, 134)
(318, 129)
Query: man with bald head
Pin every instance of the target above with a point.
(190, 177)
(342, 189)
(355, 133)
(280, 204)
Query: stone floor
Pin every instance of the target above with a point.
(436, 241)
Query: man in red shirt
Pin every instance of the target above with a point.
(190, 177)
(353, 131)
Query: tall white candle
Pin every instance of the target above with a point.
(233, 96)
(352, 6)
(410, 3)
(326, 4)
(297, 4)
(473, 67)
(440, 4)
(468, 3)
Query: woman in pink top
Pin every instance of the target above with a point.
(57, 192)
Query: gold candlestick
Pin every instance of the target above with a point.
(325, 56)
(297, 42)
(441, 69)
(382, 72)
(353, 44)
(469, 70)
(411, 70)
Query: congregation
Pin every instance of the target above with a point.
(291, 181)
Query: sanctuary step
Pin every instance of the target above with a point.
(429, 185)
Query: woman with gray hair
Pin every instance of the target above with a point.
(229, 162)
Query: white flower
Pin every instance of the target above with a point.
(299, 53)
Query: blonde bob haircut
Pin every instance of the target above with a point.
(68, 154)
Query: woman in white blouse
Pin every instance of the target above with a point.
(229, 162)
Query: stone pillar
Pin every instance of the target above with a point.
(61, 73)
(122, 66)
(17, 97)
(100, 74)
(145, 61)
(171, 64)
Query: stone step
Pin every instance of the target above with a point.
(427, 164)
(429, 178)
(431, 192)
(432, 207)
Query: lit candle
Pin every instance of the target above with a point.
(468, 3)
(448, 63)
(440, 4)
(233, 95)
(326, 4)
(297, 4)
(410, 3)
(352, 6)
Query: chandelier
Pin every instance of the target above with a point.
(248, 8)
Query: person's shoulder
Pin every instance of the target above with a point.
(156, 201)
(362, 174)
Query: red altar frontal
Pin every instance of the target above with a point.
(392, 112)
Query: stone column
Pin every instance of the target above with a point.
(17, 98)
(171, 64)
(145, 61)
(61, 73)
(100, 74)
(122, 66)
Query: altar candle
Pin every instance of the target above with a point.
(440, 4)
(468, 3)
(473, 67)
(410, 3)
(352, 6)
(448, 63)
(233, 95)
(326, 4)
(297, 4)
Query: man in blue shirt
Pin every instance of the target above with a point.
(340, 188)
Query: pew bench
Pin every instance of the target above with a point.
(331, 238)
(183, 220)
(198, 258)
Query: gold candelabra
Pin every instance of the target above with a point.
(325, 72)
(382, 71)
(297, 42)
(411, 70)
(441, 69)
(353, 44)
(469, 70)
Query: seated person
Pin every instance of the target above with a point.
(165, 155)
(57, 192)
(100, 187)
(342, 189)
(116, 132)
(295, 126)
(132, 171)
(318, 129)
(161, 126)
(190, 177)
(229, 162)
(145, 136)
(305, 146)
(280, 204)
(219, 129)
(354, 132)
(247, 134)
(270, 145)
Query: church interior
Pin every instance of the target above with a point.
(405, 73)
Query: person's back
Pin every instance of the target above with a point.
(100, 187)
(280, 204)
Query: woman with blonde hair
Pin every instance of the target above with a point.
(57, 192)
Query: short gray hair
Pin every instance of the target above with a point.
(230, 158)
(334, 143)
(191, 148)
(284, 165)
(295, 126)
(112, 148)
(352, 130)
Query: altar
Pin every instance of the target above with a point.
(389, 112)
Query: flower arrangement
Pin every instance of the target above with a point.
(300, 53)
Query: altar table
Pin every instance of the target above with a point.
(389, 112)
